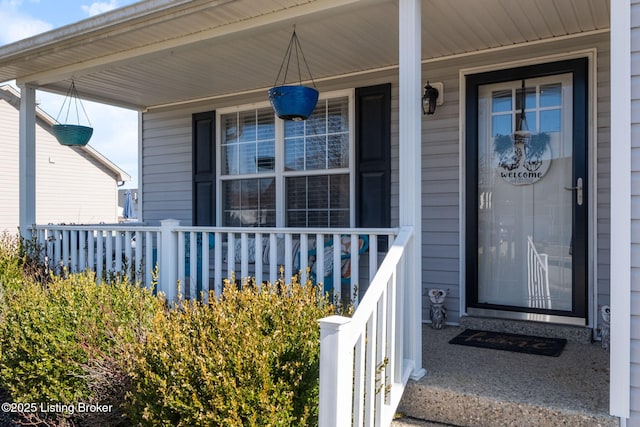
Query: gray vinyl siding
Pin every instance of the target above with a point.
(635, 215)
(441, 173)
(166, 165)
(167, 179)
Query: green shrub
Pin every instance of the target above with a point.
(65, 341)
(10, 260)
(249, 358)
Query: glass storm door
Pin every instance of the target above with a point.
(530, 198)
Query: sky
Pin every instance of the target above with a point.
(115, 130)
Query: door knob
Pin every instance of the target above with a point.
(578, 188)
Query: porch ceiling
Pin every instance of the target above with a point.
(157, 52)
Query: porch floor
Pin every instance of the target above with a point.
(475, 387)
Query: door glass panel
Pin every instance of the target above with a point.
(524, 212)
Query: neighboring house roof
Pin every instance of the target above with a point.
(160, 52)
(12, 96)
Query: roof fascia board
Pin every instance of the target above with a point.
(116, 21)
(245, 26)
(120, 174)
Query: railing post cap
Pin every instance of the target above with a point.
(170, 221)
(333, 322)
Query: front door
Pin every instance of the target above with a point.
(527, 192)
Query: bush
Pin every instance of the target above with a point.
(10, 260)
(250, 358)
(66, 342)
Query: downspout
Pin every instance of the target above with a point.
(410, 162)
(27, 160)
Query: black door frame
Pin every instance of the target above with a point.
(579, 68)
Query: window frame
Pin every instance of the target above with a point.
(279, 173)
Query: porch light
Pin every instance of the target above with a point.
(429, 99)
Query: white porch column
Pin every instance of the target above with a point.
(27, 160)
(410, 174)
(621, 211)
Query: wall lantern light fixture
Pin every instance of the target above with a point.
(431, 98)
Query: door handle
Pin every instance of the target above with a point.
(578, 188)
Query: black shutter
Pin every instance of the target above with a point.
(204, 168)
(373, 156)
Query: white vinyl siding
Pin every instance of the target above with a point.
(71, 186)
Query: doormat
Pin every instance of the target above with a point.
(511, 342)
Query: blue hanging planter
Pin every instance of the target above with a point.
(288, 101)
(293, 102)
(71, 134)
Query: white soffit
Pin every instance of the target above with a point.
(158, 51)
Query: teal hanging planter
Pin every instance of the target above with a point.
(74, 135)
(293, 102)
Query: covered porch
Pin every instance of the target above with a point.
(172, 60)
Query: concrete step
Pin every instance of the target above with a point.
(444, 407)
(578, 334)
(412, 422)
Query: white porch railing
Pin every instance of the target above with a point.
(362, 368)
(104, 249)
(200, 258)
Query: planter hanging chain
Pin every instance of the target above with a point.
(72, 134)
(294, 45)
(293, 102)
(72, 96)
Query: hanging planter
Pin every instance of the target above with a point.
(293, 102)
(74, 135)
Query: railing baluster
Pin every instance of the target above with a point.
(181, 265)
(138, 264)
(100, 261)
(73, 267)
(244, 256)
(108, 251)
(231, 255)
(358, 383)
(320, 259)
(118, 251)
(65, 250)
(273, 257)
(217, 261)
(337, 267)
(82, 249)
(303, 254)
(373, 256)
(128, 259)
(204, 284)
(288, 257)
(258, 264)
(193, 264)
(370, 369)
(354, 259)
(149, 262)
(91, 251)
